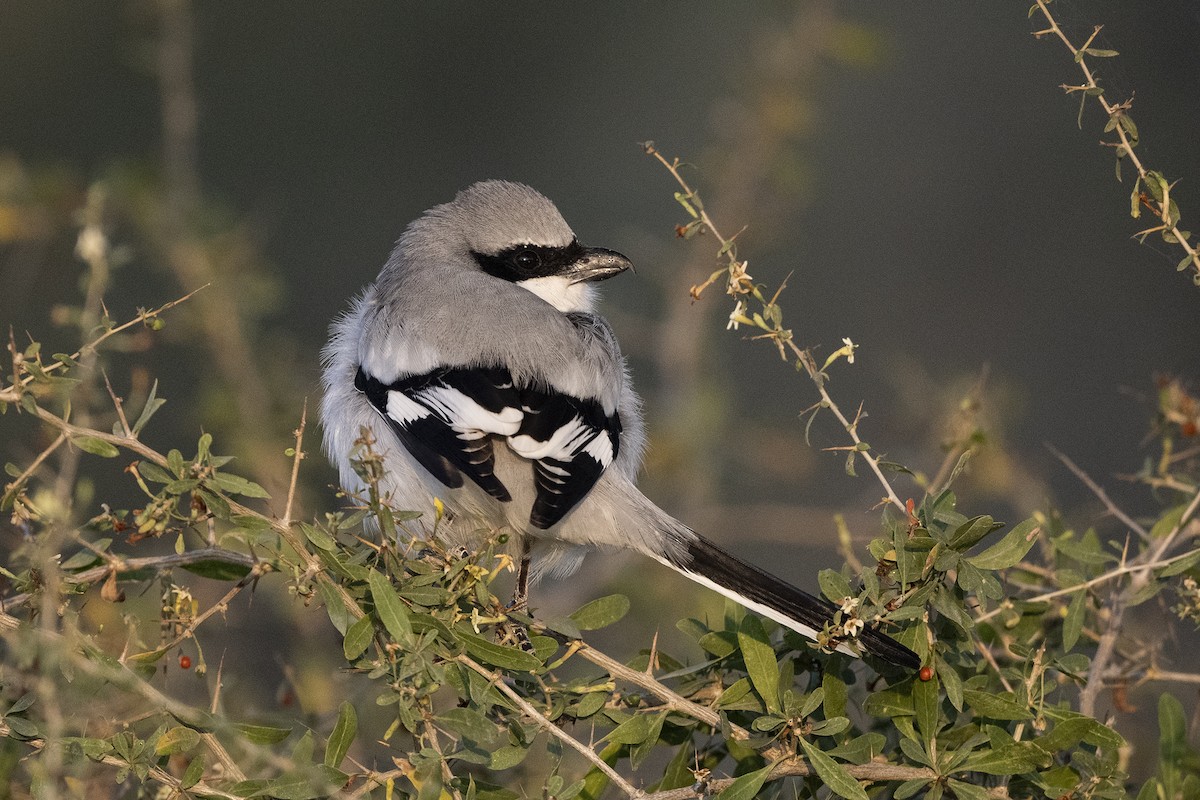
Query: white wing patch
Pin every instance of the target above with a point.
(449, 420)
(564, 444)
(464, 414)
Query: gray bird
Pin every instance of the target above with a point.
(477, 365)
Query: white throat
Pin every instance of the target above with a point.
(562, 294)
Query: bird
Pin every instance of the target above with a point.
(498, 398)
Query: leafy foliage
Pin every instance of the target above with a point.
(467, 705)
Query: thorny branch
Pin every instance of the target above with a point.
(741, 285)
(1127, 134)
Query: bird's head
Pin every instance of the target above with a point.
(515, 234)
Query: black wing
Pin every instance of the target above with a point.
(445, 420)
(571, 442)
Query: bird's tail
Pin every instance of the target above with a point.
(706, 564)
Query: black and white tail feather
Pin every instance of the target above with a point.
(759, 590)
(476, 363)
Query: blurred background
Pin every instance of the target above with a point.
(914, 167)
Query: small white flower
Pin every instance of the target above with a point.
(852, 627)
(849, 349)
(849, 604)
(735, 317)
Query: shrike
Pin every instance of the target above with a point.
(478, 367)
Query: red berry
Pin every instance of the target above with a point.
(1188, 428)
(185, 662)
(926, 674)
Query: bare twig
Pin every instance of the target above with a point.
(1119, 602)
(12, 394)
(37, 462)
(1127, 145)
(1101, 495)
(740, 285)
(1132, 568)
(540, 719)
(296, 458)
(158, 564)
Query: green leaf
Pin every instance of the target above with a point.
(1172, 743)
(719, 643)
(1012, 758)
(1167, 522)
(319, 537)
(972, 532)
(760, 661)
(601, 612)
(81, 560)
(589, 704)
(830, 727)
(1065, 735)
(926, 702)
(217, 504)
(747, 786)
(634, 730)
(498, 655)
(967, 791)
(1147, 592)
(21, 728)
(153, 404)
(951, 608)
(767, 723)
(339, 615)
(678, 772)
(342, 735)
(193, 773)
(1095, 733)
(177, 740)
(832, 774)
(21, 703)
(263, 734)
(358, 638)
(951, 682)
(97, 447)
(218, 570)
(996, 705)
(909, 788)
(236, 484)
(1009, 550)
(302, 750)
(835, 694)
(889, 703)
(507, 757)
(860, 750)
(153, 472)
(834, 585)
(736, 691)
(685, 200)
(812, 701)
(203, 445)
(390, 608)
(1073, 622)
(470, 724)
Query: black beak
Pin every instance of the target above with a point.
(596, 264)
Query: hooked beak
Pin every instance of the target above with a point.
(596, 264)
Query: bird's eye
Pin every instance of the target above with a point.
(527, 259)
